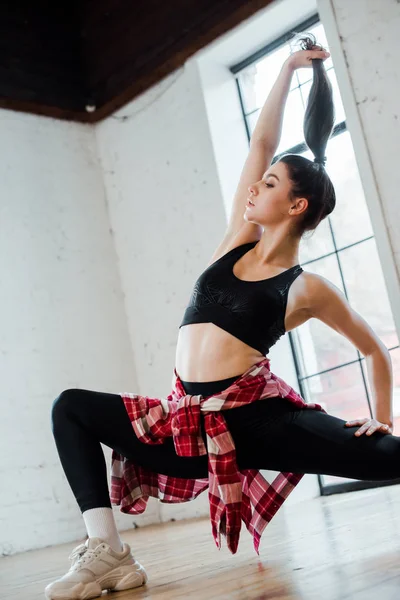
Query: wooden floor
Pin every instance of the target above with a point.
(334, 548)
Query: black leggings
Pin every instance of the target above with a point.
(268, 434)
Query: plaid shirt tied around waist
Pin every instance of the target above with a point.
(234, 494)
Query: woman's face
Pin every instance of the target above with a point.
(270, 196)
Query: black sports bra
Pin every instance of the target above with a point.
(252, 311)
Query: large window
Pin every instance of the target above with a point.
(330, 369)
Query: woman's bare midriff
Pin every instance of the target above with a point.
(206, 352)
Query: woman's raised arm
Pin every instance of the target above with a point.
(263, 145)
(269, 124)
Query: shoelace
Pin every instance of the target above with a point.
(81, 554)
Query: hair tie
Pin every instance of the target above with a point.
(320, 161)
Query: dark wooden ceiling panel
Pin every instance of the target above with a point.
(130, 46)
(58, 57)
(40, 57)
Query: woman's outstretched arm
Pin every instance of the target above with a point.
(269, 124)
(326, 302)
(263, 145)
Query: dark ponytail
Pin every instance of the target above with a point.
(310, 179)
(319, 117)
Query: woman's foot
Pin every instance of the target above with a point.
(96, 567)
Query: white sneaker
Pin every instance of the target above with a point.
(96, 567)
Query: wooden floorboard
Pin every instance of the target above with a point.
(343, 547)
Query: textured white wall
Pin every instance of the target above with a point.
(63, 321)
(166, 211)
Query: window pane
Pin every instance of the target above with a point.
(350, 218)
(366, 289)
(320, 242)
(292, 127)
(317, 244)
(337, 98)
(321, 347)
(304, 75)
(268, 69)
(340, 391)
(257, 80)
(247, 83)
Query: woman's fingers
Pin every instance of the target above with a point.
(304, 58)
(365, 428)
(317, 54)
(368, 426)
(363, 422)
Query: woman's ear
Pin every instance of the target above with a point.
(300, 206)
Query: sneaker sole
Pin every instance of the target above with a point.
(121, 578)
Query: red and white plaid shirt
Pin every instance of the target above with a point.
(234, 494)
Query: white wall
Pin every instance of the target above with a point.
(165, 208)
(63, 320)
(105, 229)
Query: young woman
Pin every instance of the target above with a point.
(254, 277)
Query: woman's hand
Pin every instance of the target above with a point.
(303, 58)
(369, 426)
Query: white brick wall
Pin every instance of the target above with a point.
(166, 211)
(62, 323)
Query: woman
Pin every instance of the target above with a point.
(252, 292)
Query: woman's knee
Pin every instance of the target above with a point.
(63, 405)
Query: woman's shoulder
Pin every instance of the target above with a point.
(247, 236)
